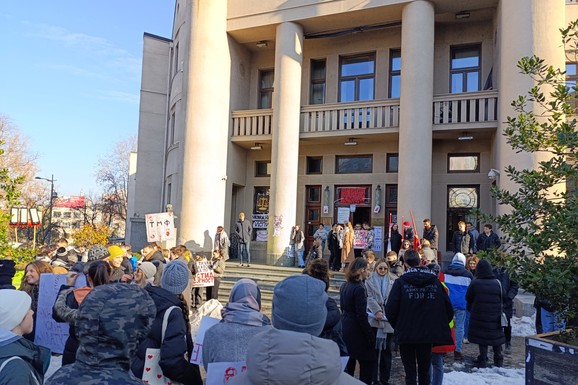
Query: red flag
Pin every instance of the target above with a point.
(416, 241)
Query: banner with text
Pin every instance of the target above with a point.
(204, 276)
(160, 227)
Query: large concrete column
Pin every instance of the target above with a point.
(285, 136)
(525, 28)
(207, 89)
(415, 122)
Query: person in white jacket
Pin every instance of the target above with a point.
(290, 353)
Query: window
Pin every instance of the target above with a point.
(463, 163)
(317, 82)
(314, 164)
(465, 69)
(266, 88)
(67, 215)
(394, 73)
(392, 161)
(571, 77)
(263, 168)
(463, 197)
(176, 62)
(172, 130)
(357, 78)
(353, 164)
(168, 199)
(56, 214)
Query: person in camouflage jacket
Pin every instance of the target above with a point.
(111, 322)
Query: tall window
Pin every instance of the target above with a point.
(266, 88)
(317, 82)
(171, 140)
(465, 69)
(394, 73)
(357, 78)
(176, 62)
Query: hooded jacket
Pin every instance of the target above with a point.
(419, 308)
(176, 345)
(484, 303)
(457, 279)
(282, 357)
(111, 321)
(33, 360)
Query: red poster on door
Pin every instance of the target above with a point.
(352, 195)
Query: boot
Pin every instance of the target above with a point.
(508, 348)
(481, 362)
(458, 356)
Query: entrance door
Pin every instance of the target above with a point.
(355, 202)
(312, 213)
(461, 202)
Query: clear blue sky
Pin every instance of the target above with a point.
(70, 78)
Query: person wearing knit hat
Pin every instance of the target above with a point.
(97, 252)
(145, 274)
(298, 317)
(175, 277)
(22, 361)
(178, 344)
(7, 272)
(457, 280)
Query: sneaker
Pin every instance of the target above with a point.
(466, 341)
(458, 356)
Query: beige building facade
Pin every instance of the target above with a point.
(307, 112)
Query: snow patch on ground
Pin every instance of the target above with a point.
(488, 376)
(523, 326)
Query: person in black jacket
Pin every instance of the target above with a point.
(484, 298)
(334, 249)
(177, 345)
(461, 239)
(431, 233)
(488, 239)
(509, 292)
(395, 238)
(420, 311)
(357, 334)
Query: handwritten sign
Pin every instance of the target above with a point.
(219, 373)
(377, 238)
(197, 353)
(342, 214)
(160, 227)
(360, 239)
(49, 333)
(204, 276)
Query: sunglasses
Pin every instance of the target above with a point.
(382, 268)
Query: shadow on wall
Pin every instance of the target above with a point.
(285, 259)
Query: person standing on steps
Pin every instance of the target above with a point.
(244, 230)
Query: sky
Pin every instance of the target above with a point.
(70, 75)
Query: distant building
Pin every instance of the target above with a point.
(301, 112)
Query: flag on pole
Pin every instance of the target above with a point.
(416, 241)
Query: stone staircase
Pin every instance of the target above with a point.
(267, 277)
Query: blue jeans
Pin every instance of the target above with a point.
(244, 252)
(459, 319)
(466, 324)
(437, 368)
(294, 250)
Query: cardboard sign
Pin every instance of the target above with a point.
(197, 353)
(160, 227)
(49, 333)
(342, 215)
(204, 276)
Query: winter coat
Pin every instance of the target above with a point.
(218, 267)
(283, 357)
(357, 333)
(509, 291)
(460, 242)
(432, 235)
(34, 306)
(347, 253)
(31, 365)
(457, 279)
(332, 328)
(485, 306)
(243, 230)
(376, 301)
(487, 242)
(176, 345)
(395, 241)
(452, 347)
(396, 268)
(474, 236)
(108, 332)
(333, 243)
(314, 253)
(419, 308)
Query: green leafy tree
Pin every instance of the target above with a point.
(541, 228)
(9, 194)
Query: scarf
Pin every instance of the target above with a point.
(244, 305)
(381, 336)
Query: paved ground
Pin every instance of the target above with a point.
(513, 360)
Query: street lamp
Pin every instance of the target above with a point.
(49, 227)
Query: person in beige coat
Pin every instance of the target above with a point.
(347, 254)
(378, 286)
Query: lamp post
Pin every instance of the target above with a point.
(48, 230)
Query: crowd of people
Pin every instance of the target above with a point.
(133, 305)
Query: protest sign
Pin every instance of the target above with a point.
(204, 276)
(49, 333)
(343, 215)
(219, 373)
(360, 239)
(160, 227)
(197, 353)
(377, 238)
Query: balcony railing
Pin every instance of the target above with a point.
(350, 116)
(474, 107)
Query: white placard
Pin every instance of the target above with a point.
(160, 227)
(204, 276)
(197, 354)
(342, 215)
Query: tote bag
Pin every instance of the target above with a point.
(152, 373)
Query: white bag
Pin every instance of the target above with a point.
(152, 372)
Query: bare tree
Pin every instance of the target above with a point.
(112, 175)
